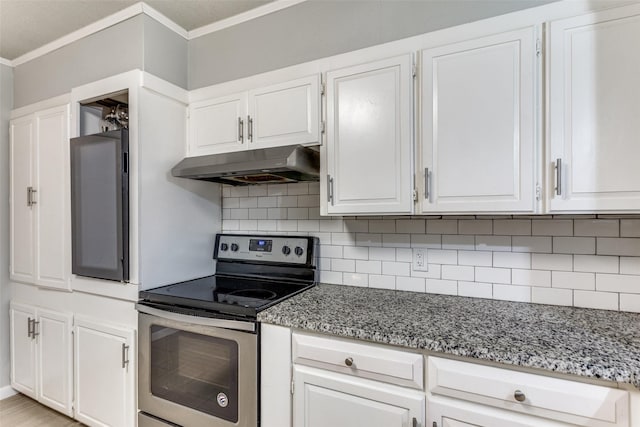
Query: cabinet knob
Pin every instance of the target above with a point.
(348, 361)
(519, 396)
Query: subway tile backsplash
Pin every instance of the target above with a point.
(583, 261)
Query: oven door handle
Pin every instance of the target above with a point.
(237, 325)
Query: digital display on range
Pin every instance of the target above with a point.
(260, 245)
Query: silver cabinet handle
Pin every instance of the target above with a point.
(34, 331)
(30, 199)
(29, 330)
(519, 396)
(250, 128)
(426, 184)
(125, 355)
(240, 130)
(348, 361)
(559, 177)
(330, 189)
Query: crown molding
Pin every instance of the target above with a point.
(143, 8)
(243, 17)
(162, 19)
(83, 32)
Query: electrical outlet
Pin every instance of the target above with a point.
(420, 259)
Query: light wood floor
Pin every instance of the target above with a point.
(21, 411)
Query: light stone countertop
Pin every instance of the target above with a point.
(591, 343)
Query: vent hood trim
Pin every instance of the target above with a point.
(287, 164)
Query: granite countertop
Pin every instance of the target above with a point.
(590, 343)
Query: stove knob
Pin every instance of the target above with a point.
(234, 247)
(299, 251)
(224, 247)
(286, 250)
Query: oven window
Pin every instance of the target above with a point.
(194, 370)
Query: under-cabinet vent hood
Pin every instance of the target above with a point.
(264, 166)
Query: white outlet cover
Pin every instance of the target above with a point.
(420, 260)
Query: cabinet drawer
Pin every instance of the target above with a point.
(562, 400)
(362, 360)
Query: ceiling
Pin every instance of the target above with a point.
(26, 25)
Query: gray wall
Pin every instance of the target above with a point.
(6, 102)
(165, 53)
(311, 30)
(108, 52)
(316, 29)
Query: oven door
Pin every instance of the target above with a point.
(196, 371)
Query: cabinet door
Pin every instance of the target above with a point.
(444, 412)
(23, 350)
(104, 374)
(478, 118)
(323, 398)
(55, 360)
(22, 136)
(51, 176)
(217, 126)
(594, 105)
(369, 138)
(285, 113)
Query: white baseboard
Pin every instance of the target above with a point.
(7, 391)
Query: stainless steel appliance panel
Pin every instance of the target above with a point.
(196, 375)
(145, 420)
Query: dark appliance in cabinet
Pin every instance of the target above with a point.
(100, 205)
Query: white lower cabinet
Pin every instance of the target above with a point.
(461, 392)
(41, 355)
(443, 412)
(343, 383)
(325, 381)
(104, 374)
(23, 349)
(323, 398)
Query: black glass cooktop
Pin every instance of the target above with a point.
(223, 294)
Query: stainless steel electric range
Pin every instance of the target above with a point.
(199, 340)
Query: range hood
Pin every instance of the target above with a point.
(275, 165)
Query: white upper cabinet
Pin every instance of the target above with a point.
(282, 114)
(478, 125)
(40, 207)
(286, 113)
(53, 204)
(594, 111)
(216, 126)
(369, 139)
(21, 251)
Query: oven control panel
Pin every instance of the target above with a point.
(280, 249)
